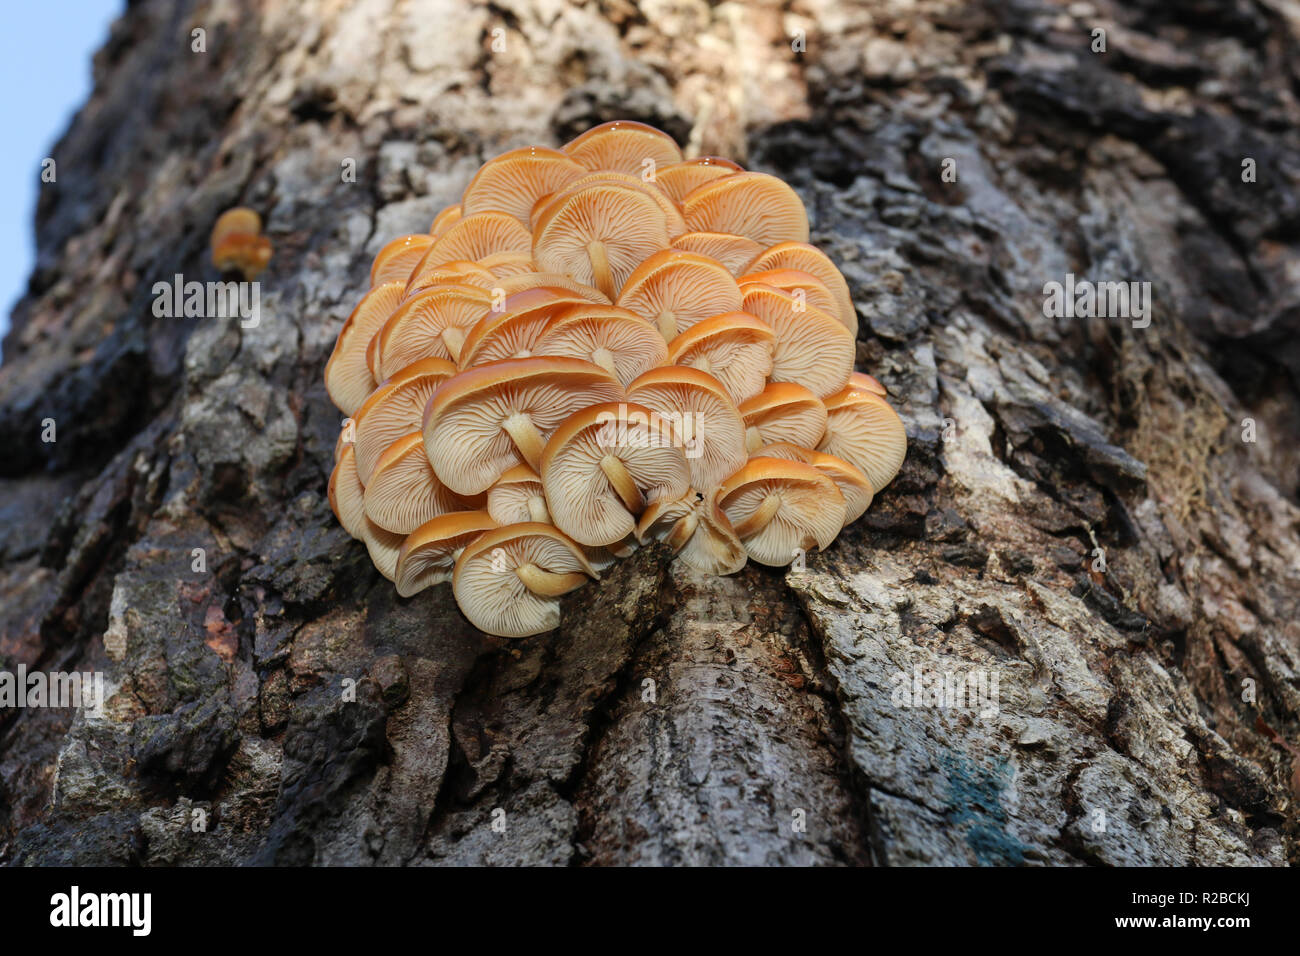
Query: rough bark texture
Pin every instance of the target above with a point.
(1126, 729)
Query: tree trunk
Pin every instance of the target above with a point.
(1097, 515)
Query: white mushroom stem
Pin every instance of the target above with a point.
(622, 483)
(667, 323)
(453, 337)
(600, 271)
(537, 509)
(682, 531)
(761, 517)
(605, 359)
(702, 363)
(526, 437)
(753, 440)
(549, 583)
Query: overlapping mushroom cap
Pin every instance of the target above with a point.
(602, 345)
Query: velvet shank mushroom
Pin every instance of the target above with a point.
(509, 580)
(492, 417)
(581, 356)
(779, 508)
(601, 467)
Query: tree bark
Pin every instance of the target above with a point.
(1101, 518)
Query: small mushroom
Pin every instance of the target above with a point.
(810, 259)
(403, 492)
(347, 499)
(851, 482)
(862, 382)
(431, 324)
(678, 179)
(672, 211)
(623, 145)
(429, 553)
(783, 411)
(491, 417)
(445, 220)
(617, 340)
(812, 348)
(795, 282)
(754, 205)
(512, 182)
(347, 376)
(673, 290)
(603, 464)
(398, 259)
(734, 252)
(735, 348)
(346, 496)
(238, 244)
(510, 285)
(703, 417)
(513, 330)
(865, 431)
(697, 531)
(779, 508)
(394, 409)
(476, 237)
(456, 272)
(509, 581)
(599, 234)
(518, 496)
(503, 265)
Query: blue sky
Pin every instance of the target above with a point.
(45, 60)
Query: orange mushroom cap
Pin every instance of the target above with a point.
(599, 234)
(512, 330)
(734, 252)
(432, 324)
(785, 412)
(428, 554)
(403, 492)
(705, 419)
(673, 290)
(812, 348)
(476, 237)
(445, 220)
(779, 508)
(394, 409)
(617, 340)
(755, 205)
(509, 581)
(347, 376)
(678, 179)
(625, 146)
(512, 182)
(698, 532)
(852, 483)
(603, 464)
(492, 417)
(810, 259)
(735, 348)
(865, 431)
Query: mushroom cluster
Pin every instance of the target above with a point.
(600, 346)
